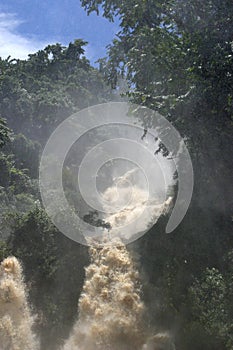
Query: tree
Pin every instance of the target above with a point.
(4, 133)
(167, 46)
(210, 307)
(38, 93)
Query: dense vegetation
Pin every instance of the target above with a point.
(176, 57)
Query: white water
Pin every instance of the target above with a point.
(131, 208)
(111, 311)
(136, 215)
(110, 308)
(16, 320)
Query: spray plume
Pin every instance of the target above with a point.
(16, 320)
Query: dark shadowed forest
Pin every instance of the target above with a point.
(174, 57)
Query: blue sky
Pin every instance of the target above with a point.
(29, 25)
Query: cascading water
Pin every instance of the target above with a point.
(16, 320)
(135, 210)
(111, 311)
(110, 308)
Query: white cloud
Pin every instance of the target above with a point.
(13, 43)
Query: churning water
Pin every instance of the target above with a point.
(16, 320)
(111, 311)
